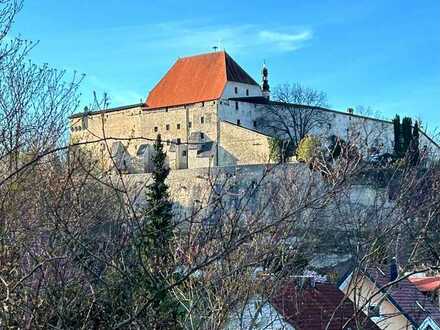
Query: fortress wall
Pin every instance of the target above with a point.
(206, 112)
(239, 146)
(191, 186)
(137, 123)
(246, 112)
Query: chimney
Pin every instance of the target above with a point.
(393, 270)
(350, 111)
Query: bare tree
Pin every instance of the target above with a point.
(293, 115)
(68, 257)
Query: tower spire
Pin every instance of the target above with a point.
(265, 81)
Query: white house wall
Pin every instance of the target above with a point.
(247, 112)
(362, 131)
(229, 91)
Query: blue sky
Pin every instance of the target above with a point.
(379, 53)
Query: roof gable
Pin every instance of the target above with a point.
(406, 297)
(196, 79)
(321, 307)
(235, 73)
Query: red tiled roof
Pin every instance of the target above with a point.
(406, 297)
(426, 284)
(315, 308)
(196, 79)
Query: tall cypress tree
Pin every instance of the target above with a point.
(414, 147)
(407, 134)
(397, 137)
(156, 245)
(158, 213)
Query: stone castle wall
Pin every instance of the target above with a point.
(239, 146)
(229, 125)
(135, 126)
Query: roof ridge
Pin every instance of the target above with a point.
(203, 54)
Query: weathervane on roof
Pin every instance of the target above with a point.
(218, 45)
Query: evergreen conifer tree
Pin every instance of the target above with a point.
(414, 147)
(397, 137)
(156, 245)
(407, 134)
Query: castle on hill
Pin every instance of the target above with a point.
(210, 112)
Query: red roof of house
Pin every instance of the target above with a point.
(426, 284)
(406, 297)
(313, 308)
(196, 79)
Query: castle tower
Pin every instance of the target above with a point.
(265, 83)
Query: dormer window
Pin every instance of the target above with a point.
(374, 311)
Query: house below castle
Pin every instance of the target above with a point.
(208, 112)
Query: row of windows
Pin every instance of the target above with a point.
(167, 126)
(236, 91)
(254, 123)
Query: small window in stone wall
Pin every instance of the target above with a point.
(329, 126)
(236, 105)
(202, 120)
(167, 127)
(168, 142)
(247, 92)
(84, 122)
(178, 126)
(178, 141)
(155, 129)
(203, 104)
(255, 124)
(189, 124)
(202, 135)
(238, 122)
(236, 90)
(184, 153)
